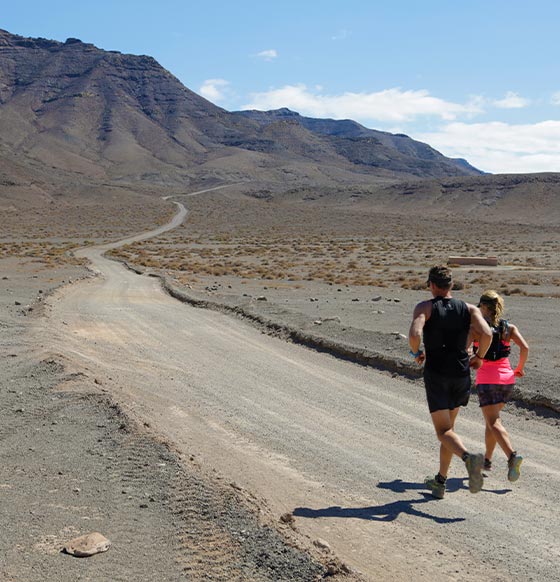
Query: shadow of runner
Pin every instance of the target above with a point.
(387, 512)
(399, 486)
(452, 485)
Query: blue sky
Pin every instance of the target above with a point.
(474, 79)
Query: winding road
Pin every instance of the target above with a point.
(342, 447)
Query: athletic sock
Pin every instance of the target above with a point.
(441, 479)
(465, 456)
(512, 456)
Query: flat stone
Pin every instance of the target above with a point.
(87, 545)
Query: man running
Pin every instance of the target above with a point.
(444, 324)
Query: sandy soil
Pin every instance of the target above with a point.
(74, 462)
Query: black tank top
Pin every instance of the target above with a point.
(445, 337)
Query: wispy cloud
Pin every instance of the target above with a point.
(500, 147)
(214, 89)
(341, 35)
(512, 100)
(390, 105)
(494, 146)
(268, 55)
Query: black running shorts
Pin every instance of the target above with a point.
(446, 392)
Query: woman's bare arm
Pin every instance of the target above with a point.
(519, 340)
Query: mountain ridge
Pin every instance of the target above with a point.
(352, 130)
(111, 116)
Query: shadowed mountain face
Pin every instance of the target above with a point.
(70, 109)
(103, 114)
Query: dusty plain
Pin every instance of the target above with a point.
(74, 462)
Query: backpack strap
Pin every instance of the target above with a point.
(504, 329)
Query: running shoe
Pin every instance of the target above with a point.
(436, 488)
(514, 466)
(474, 465)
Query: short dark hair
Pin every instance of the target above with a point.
(440, 276)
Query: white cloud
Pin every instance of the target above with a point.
(555, 99)
(340, 35)
(495, 147)
(390, 105)
(499, 147)
(214, 89)
(268, 55)
(512, 101)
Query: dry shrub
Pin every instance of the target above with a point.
(458, 285)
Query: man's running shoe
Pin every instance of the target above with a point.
(436, 488)
(514, 466)
(474, 465)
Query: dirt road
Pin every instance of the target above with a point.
(342, 447)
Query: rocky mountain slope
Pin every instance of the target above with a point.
(73, 113)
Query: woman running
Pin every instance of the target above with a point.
(495, 379)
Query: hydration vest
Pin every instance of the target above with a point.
(498, 348)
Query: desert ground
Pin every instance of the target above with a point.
(87, 446)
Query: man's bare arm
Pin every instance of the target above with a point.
(419, 317)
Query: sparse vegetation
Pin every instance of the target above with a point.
(255, 239)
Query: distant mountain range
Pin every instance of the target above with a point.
(70, 111)
(371, 148)
(77, 120)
